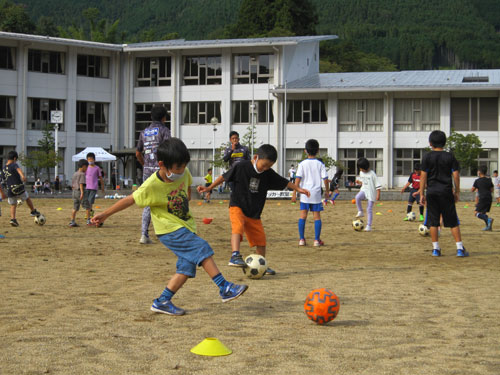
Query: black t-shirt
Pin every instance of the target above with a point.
(250, 188)
(13, 180)
(439, 166)
(483, 186)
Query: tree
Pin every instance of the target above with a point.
(327, 160)
(14, 19)
(46, 26)
(466, 148)
(246, 140)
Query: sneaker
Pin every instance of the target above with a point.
(436, 252)
(302, 242)
(14, 222)
(368, 228)
(232, 291)
(35, 213)
(92, 213)
(166, 307)
(88, 222)
(461, 253)
(421, 217)
(490, 224)
(73, 224)
(145, 240)
(360, 214)
(318, 243)
(406, 218)
(270, 271)
(237, 261)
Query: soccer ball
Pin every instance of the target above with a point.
(411, 216)
(423, 230)
(40, 219)
(358, 225)
(321, 306)
(256, 266)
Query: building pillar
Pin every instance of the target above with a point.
(388, 152)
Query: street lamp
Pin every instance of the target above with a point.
(214, 121)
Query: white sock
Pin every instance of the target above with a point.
(435, 246)
(460, 245)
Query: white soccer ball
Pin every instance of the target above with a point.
(358, 225)
(411, 216)
(40, 219)
(256, 266)
(423, 230)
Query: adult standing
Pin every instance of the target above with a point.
(236, 152)
(149, 140)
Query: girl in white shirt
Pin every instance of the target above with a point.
(370, 190)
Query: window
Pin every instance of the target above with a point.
(92, 117)
(242, 112)
(416, 114)
(39, 112)
(201, 160)
(488, 157)
(7, 58)
(153, 71)
(4, 152)
(92, 66)
(253, 68)
(349, 159)
(143, 117)
(470, 114)
(306, 111)
(46, 61)
(405, 159)
(357, 115)
(200, 113)
(294, 156)
(7, 112)
(202, 70)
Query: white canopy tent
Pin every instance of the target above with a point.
(100, 154)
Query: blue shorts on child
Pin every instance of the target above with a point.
(313, 207)
(191, 250)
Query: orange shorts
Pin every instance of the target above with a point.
(252, 228)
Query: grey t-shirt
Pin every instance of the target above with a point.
(77, 179)
(148, 142)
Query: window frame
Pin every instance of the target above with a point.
(196, 70)
(363, 121)
(98, 108)
(200, 110)
(9, 57)
(473, 114)
(41, 107)
(303, 108)
(51, 58)
(261, 107)
(148, 67)
(9, 108)
(417, 108)
(99, 65)
(253, 67)
(351, 161)
(407, 162)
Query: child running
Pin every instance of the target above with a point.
(251, 180)
(484, 187)
(78, 186)
(370, 190)
(414, 184)
(208, 182)
(311, 173)
(168, 192)
(92, 176)
(14, 179)
(440, 170)
(334, 184)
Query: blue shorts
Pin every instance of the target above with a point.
(190, 249)
(314, 207)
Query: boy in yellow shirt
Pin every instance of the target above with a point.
(168, 192)
(208, 182)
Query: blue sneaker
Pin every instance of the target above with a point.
(436, 252)
(166, 307)
(232, 291)
(490, 224)
(462, 253)
(237, 261)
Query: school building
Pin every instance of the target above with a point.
(211, 87)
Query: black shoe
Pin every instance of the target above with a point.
(14, 222)
(270, 271)
(35, 213)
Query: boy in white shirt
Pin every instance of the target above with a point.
(370, 190)
(311, 172)
(496, 184)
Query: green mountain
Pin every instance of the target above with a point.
(413, 34)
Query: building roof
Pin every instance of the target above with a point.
(60, 41)
(218, 43)
(418, 80)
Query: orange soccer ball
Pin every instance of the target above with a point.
(321, 306)
(353, 201)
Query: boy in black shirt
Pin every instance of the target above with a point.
(14, 179)
(438, 167)
(251, 181)
(484, 187)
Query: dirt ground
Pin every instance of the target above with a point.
(76, 300)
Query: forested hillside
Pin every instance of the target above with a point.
(410, 34)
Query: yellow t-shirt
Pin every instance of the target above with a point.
(168, 201)
(208, 178)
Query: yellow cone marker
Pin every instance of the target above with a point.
(59, 208)
(211, 347)
(379, 213)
